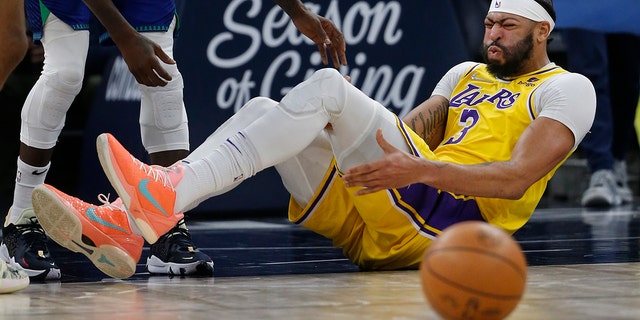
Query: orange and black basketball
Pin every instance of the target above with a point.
(473, 270)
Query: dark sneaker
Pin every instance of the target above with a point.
(25, 244)
(175, 254)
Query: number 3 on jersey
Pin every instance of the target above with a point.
(468, 119)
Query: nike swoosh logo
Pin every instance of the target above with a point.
(91, 214)
(142, 186)
(37, 173)
(476, 78)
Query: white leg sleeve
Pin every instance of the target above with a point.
(326, 97)
(251, 111)
(163, 117)
(44, 110)
(290, 128)
(301, 174)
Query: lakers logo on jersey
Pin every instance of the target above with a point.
(473, 95)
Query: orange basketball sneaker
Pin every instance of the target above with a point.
(102, 233)
(146, 191)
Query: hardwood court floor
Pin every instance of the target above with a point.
(583, 264)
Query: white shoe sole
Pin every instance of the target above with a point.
(157, 266)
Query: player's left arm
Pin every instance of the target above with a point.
(327, 37)
(541, 147)
(142, 55)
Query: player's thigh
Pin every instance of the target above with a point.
(303, 174)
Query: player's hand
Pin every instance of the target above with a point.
(143, 58)
(325, 35)
(396, 169)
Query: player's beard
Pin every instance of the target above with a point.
(514, 58)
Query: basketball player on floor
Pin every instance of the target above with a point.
(382, 188)
(62, 28)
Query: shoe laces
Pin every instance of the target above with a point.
(104, 199)
(33, 234)
(158, 173)
(602, 178)
(178, 236)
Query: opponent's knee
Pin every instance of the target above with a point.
(163, 118)
(67, 81)
(163, 107)
(58, 92)
(44, 111)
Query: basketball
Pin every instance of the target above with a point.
(473, 270)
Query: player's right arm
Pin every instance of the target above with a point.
(569, 109)
(428, 120)
(140, 53)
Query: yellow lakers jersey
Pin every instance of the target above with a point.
(485, 120)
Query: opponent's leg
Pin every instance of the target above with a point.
(163, 118)
(165, 136)
(44, 110)
(43, 117)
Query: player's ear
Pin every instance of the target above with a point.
(543, 29)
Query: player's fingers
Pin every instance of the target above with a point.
(334, 56)
(384, 144)
(343, 57)
(323, 53)
(162, 55)
(142, 78)
(160, 75)
(337, 50)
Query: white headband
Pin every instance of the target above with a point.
(524, 8)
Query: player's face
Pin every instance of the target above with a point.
(508, 44)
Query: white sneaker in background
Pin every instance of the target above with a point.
(602, 191)
(12, 278)
(622, 181)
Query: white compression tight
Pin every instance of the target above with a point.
(44, 110)
(163, 118)
(286, 135)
